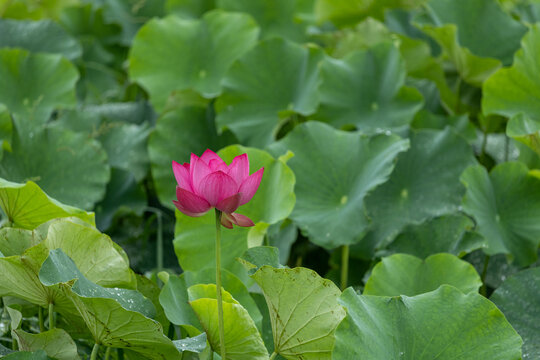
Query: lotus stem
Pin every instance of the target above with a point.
(95, 351)
(218, 286)
(272, 357)
(41, 319)
(344, 266)
(52, 320)
(107, 353)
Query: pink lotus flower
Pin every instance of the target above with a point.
(208, 182)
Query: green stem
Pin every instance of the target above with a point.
(95, 351)
(41, 319)
(344, 266)
(218, 286)
(483, 289)
(14, 343)
(52, 320)
(274, 354)
(107, 353)
(159, 243)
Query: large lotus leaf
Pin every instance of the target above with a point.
(516, 91)
(174, 54)
(526, 130)
(55, 342)
(195, 237)
(444, 324)
(38, 36)
(27, 206)
(333, 180)
(450, 233)
(424, 184)
(14, 241)
(69, 166)
(94, 253)
(272, 83)
(506, 207)
(242, 339)
(482, 26)
(33, 85)
(125, 145)
(178, 133)
(403, 274)
(116, 317)
(304, 311)
(347, 12)
(26, 355)
(277, 18)
(366, 89)
(175, 302)
(519, 299)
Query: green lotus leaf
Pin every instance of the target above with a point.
(514, 92)
(33, 85)
(403, 274)
(191, 9)
(256, 257)
(279, 18)
(174, 54)
(449, 233)
(366, 89)
(38, 36)
(6, 130)
(333, 180)
(27, 206)
(303, 309)
(116, 317)
(94, 253)
(175, 302)
(424, 184)
(68, 166)
(273, 83)
(506, 206)
(274, 200)
(195, 344)
(481, 26)
(461, 124)
(55, 342)
(242, 339)
(178, 133)
(125, 145)
(519, 300)
(444, 324)
(21, 9)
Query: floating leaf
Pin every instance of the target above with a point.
(519, 300)
(33, 85)
(333, 180)
(38, 36)
(68, 166)
(424, 184)
(450, 233)
(402, 274)
(272, 83)
(242, 339)
(55, 342)
(27, 206)
(178, 133)
(444, 324)
(174, 54)
(116, 317)
(514, 92)
(506, 207)
(366, 89)
(303, 309)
